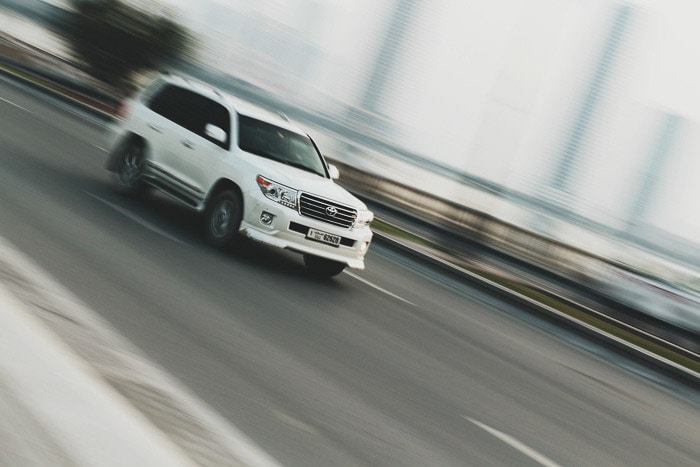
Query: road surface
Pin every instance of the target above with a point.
(394, 365)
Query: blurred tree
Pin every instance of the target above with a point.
(115, 40)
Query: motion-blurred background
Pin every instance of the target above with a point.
(576, 121)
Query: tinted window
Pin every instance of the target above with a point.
(169, 103)
(272, 142)
(192, 111)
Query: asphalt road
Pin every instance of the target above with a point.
(395, 365)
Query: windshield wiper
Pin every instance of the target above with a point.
(301, 166)
(267, 155)
(298, 165)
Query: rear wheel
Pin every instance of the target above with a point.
(131, 162)
(223, 218)
(323, 267)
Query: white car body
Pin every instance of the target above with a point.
(191, 166)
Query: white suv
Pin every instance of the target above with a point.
(248, 170)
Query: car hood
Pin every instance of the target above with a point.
(305, 181)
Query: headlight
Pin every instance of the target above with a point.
(277, 192)
(363, 218)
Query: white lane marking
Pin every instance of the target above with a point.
(16, 105)
(99, 147)
(375, 286)
(137, 219)
(514, 443)
(289, 420)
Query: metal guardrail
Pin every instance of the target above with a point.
(572, 264)
(461, 220)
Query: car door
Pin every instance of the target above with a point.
(194, 156)
(163, 124)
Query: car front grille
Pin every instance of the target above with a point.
(326, 210)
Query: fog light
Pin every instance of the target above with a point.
(266, 218)
(364, 246)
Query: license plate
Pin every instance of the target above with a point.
(324, 237)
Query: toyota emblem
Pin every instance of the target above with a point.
(331, 211)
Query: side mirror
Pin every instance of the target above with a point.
(333, 171)
(215, 133)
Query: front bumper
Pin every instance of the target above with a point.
(287, 229)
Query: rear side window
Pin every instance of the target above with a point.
(192, 111)
(168, 103)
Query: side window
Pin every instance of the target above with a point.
(192, 111)
(168, 102)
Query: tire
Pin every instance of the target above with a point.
(130, 164)
(323, 267)
(223, 218)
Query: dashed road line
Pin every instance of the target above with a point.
(296, 423)
(375, 286)
(514, 443)
(16, 105)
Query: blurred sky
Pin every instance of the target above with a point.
(673, 70)
(672, 67)
(668, 76)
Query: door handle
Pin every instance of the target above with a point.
(188, 144)
(155, 128)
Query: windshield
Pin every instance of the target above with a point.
(281, 145)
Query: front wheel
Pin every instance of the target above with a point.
(323, 267)
(223, 218)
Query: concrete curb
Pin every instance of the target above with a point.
(629, 349)
(86, 420)
(149, 392)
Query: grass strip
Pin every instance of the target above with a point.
(600, 324)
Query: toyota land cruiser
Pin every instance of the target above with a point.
(248, 170)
